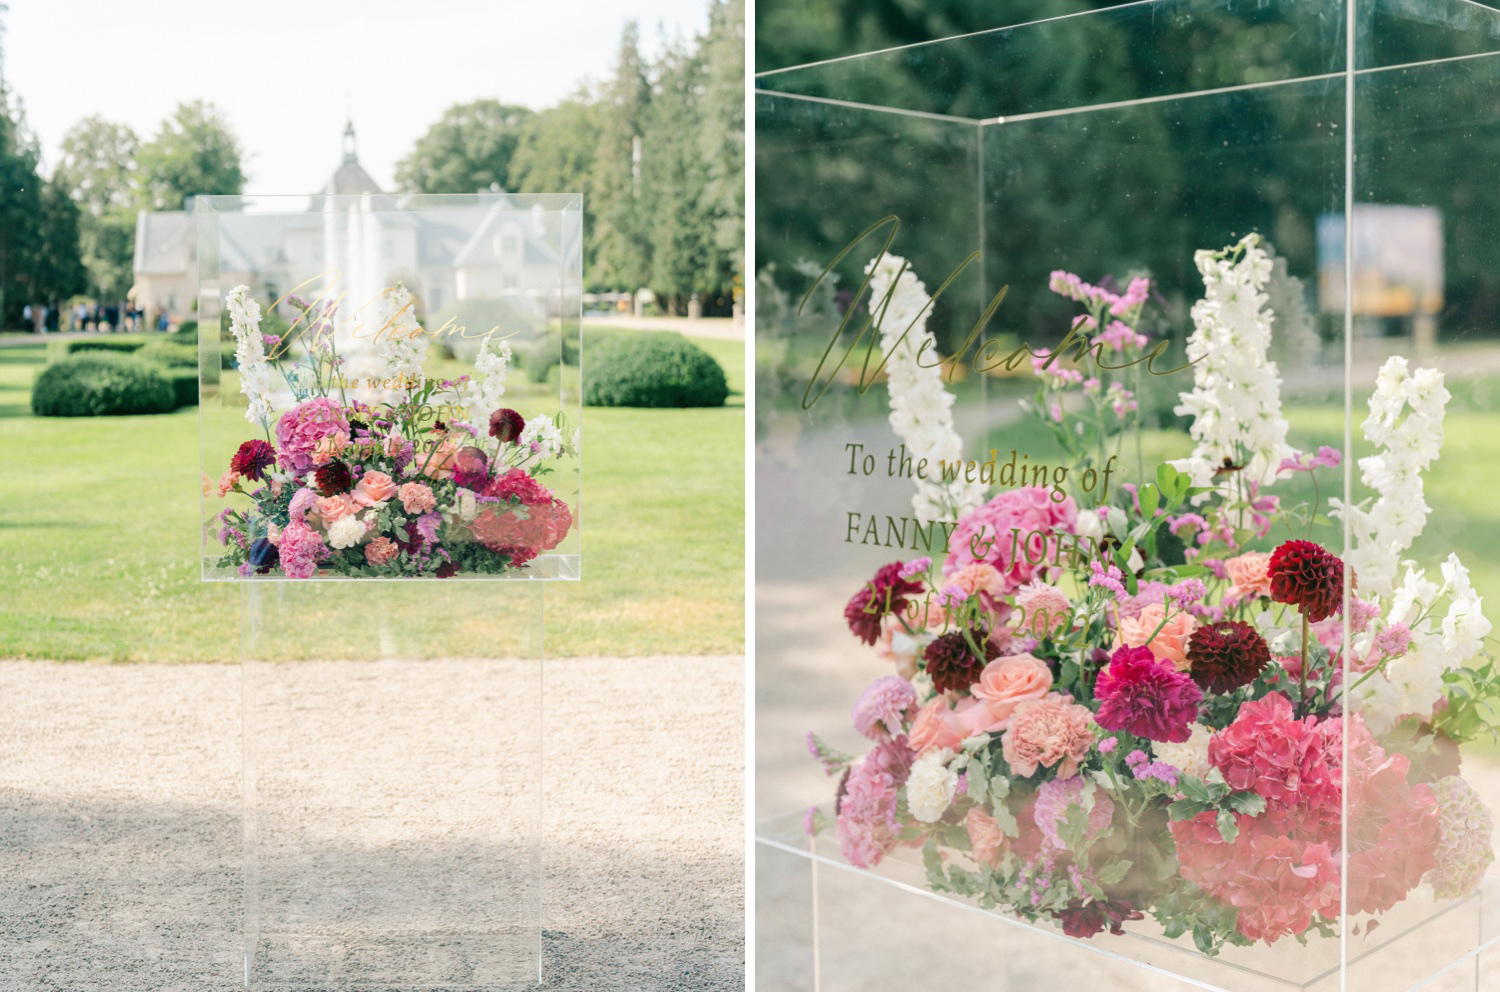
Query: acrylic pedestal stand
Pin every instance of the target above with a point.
(392, 803)
(823, 926)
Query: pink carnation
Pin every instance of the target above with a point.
(416, 497)
(303, 428)
(380, 551)
(1144, 695)
(1167, 640)
(884, 706)
(1045, 610)
(984, 534)
(1051, 731)
(1248, 575)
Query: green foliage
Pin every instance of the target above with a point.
(194, 153)
(39, 261)
(653, 370)
(169, 354)
(468, 150)
(76, 346)
(101, 385)
(98, 170)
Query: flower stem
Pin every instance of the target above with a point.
(1302, 695)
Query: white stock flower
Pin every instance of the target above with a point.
(1235, 401)
(487, 382)
(256, 376)
(921, 408)
(403, 348)
(931, 786)
(544, 433)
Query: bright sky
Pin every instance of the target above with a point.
(285, 72)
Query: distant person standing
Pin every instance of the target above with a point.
(162, 323)
(80, 316)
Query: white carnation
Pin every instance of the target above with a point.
(931, 786)
(346, 531)
(1189, 757)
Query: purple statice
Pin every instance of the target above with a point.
(1107, 577)
(1159, 770)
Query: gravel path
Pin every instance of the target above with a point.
(121, 822)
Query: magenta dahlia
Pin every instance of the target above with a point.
(1308, 577)
(884, 594)
(1146, 696)
(1225, 655)
(252, 459)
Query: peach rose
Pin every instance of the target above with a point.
(1006, 682)
(378, 486)
(974, 718)
(1169, 644)
(440, 463)
(986, 842)
(330, 508)
(935, 728)
(1248, 572)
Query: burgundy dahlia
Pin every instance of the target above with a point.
(952, 663)
(1080, 920)
(1225, 655)
(334, 478)
(446, 570)
(1308, 577)
(252, 459)
(886, 593)
(506, 424)
(1146, 696)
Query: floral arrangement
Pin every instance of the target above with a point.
(1107, 706)
(341, 487)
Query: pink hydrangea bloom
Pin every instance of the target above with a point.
(867, 824)
(301, 549)
(1292, 762)
(1052, 732)
(303, 428)
(1146, 696)
(985, 534)
(884, 706)
(1465, 828)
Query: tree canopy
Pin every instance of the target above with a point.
(469, 149)
(193, 153)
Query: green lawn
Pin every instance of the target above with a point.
(98, 526)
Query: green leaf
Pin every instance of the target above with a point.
(1186, 809)
(1229, 827)
(1115, 873)
(1249, 803)
(1150, 498)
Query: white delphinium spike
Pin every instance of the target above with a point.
(250, 354)
(921, 408)
(1406, 420)
(1235, 401)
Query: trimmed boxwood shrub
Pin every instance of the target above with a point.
(656, 369)
(101, 384)
(184, 386)
(169, 353)
(102, 344)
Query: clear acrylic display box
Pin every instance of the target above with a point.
(390, 392)
(1112, 145)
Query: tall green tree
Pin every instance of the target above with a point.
(98, 172)
(673, 180)
(622, 258)
(469, 149)
(194, 153)
(556, 155)
(721, 141)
